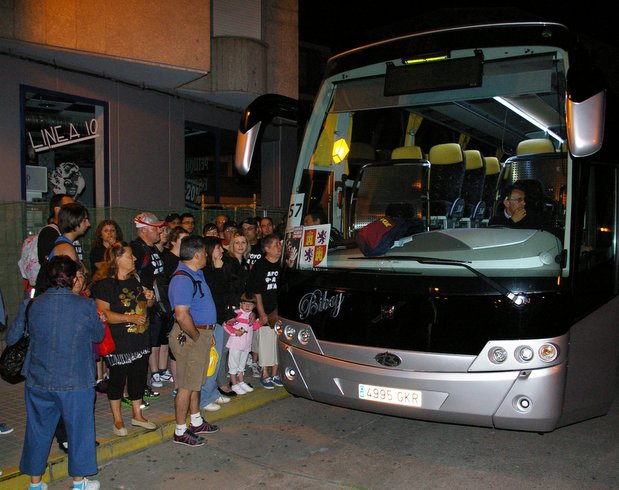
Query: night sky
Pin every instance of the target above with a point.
(344, 25)
(341, 25)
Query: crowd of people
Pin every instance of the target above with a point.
(171, 300)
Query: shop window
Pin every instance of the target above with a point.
(64, 147)
(210, 177)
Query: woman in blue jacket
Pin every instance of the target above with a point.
(60, 374)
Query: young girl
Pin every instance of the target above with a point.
(239, 343)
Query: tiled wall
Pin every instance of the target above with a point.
(11, 236)
(18, 220)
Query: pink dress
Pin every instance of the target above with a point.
(243, 342)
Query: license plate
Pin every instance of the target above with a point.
(395, 396)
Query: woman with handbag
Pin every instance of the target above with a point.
(60, 374)
(124, 302)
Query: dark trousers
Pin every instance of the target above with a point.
(134, 374)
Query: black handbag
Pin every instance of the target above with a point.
(13, 356)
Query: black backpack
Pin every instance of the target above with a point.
(197, 285)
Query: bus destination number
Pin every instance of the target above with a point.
(395, 396)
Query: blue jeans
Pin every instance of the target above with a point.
(222, 377)
(44, 409)
(208, 392)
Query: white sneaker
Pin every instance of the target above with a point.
(41, 486)
(87, 484)
(167, 376)
(155, 380)
(246, 387)
(255, 369)
(238, 389)
(211, 407)
(222, 399)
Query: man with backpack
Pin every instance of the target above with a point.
(191, 339)
(36, 248)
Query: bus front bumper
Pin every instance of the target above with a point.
(528, 400)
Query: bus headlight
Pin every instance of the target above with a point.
(548, 352)
(278, 327)
(524, 353)
(497, 355)
(289, 332)
(304, 336)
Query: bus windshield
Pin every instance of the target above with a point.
(460, 158)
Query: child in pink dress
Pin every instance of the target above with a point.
(239, 344)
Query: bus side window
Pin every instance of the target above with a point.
(597, 246)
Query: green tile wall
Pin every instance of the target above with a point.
(19, 219)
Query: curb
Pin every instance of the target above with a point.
(114, 447)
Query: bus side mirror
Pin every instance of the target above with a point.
(255, 118)
(585, 107)
(585, 124)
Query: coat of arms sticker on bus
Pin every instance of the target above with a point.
(314, 246)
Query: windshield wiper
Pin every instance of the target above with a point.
(517, 299)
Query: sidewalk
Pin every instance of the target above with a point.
(161, 412)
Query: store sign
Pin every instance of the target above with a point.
(62, 135)
(194, 188)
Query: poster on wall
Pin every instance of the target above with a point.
(64, 143)
(292, 246)
(196, 181)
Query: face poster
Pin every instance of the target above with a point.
(65, 147)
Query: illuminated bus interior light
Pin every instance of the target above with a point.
(340, 150)
(503, 101)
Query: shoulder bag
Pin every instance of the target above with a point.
(13, 356)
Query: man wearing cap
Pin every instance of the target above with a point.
(249, 228)
(149, 266)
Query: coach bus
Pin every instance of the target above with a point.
(456, 319)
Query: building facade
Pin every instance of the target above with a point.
(123, 90)
(137, 105)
